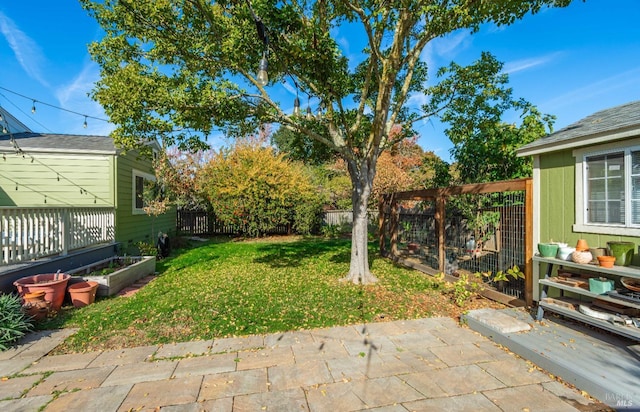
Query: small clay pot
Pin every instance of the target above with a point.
(606, 261)
(582, 245)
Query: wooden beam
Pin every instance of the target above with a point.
(528, 242)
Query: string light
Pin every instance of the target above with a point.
(296, 107)
(85, 122)
(34, 101)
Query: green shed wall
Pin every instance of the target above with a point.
(58, 179)
(132, 227)
(557, 204)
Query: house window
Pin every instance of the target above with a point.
(611, 181)
(139, 180)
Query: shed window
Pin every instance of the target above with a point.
(140, 181)
(612, 188)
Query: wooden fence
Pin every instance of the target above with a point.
(202, 222)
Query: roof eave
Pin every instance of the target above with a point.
(581, 141)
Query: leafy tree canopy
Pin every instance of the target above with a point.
(181, 68)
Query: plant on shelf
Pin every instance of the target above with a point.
(14, 322)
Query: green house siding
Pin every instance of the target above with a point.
(132, 225)
(557, 196)
(557, 203)
(41, 180)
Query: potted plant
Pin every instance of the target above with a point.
(54, 285)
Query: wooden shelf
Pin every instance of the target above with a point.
(627, 331)
(584, 292)
(546, 282)
(627, 271)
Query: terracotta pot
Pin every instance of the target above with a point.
(37, 310)
(83, 293)
(582, 245)
(606, 261)
(53, 285)
(34, 297)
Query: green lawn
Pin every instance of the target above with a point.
(225, 288)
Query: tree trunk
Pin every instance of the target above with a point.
(362, 181)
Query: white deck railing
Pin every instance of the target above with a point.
(31, 233)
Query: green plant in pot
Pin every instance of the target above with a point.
(623, 252)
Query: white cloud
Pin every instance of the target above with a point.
(525, 64)
(604, 87)
(75, 96)
(27, 52)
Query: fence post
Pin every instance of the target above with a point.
(440, 226)
(528, 242)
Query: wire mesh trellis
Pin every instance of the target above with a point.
(483, 232)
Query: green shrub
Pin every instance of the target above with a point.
(14, 322)
(147, 249)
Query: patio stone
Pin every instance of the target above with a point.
(333, 397)
(140, 372)
(460, 380)
(206, 365)
(307, 373)
(534, 398)
(262, 358)
(15, 387)
(286, 339)
(98, 399)
(328, 349)
(287, 400)
(124, 356)
(465, 354)
(183, 349)
(71, 380)
(66, 362)
(223, 385)
(237, 344)
(153, 395)
(462, 403)
(217, 405)
(32, 403)
(514, 372)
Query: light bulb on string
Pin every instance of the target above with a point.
(309, 114)
(1, 118)
(85, 122)
(263, 77)
(296, 107)
(33, 107)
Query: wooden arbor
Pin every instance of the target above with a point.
(440, 196)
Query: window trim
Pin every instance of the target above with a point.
(580, 155)
(145, 176)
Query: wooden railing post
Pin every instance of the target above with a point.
(65, 226)
(528, 242)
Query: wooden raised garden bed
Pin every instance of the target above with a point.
(115, 273)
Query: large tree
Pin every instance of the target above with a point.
(180, 68)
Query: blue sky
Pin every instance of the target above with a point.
(569, 62)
